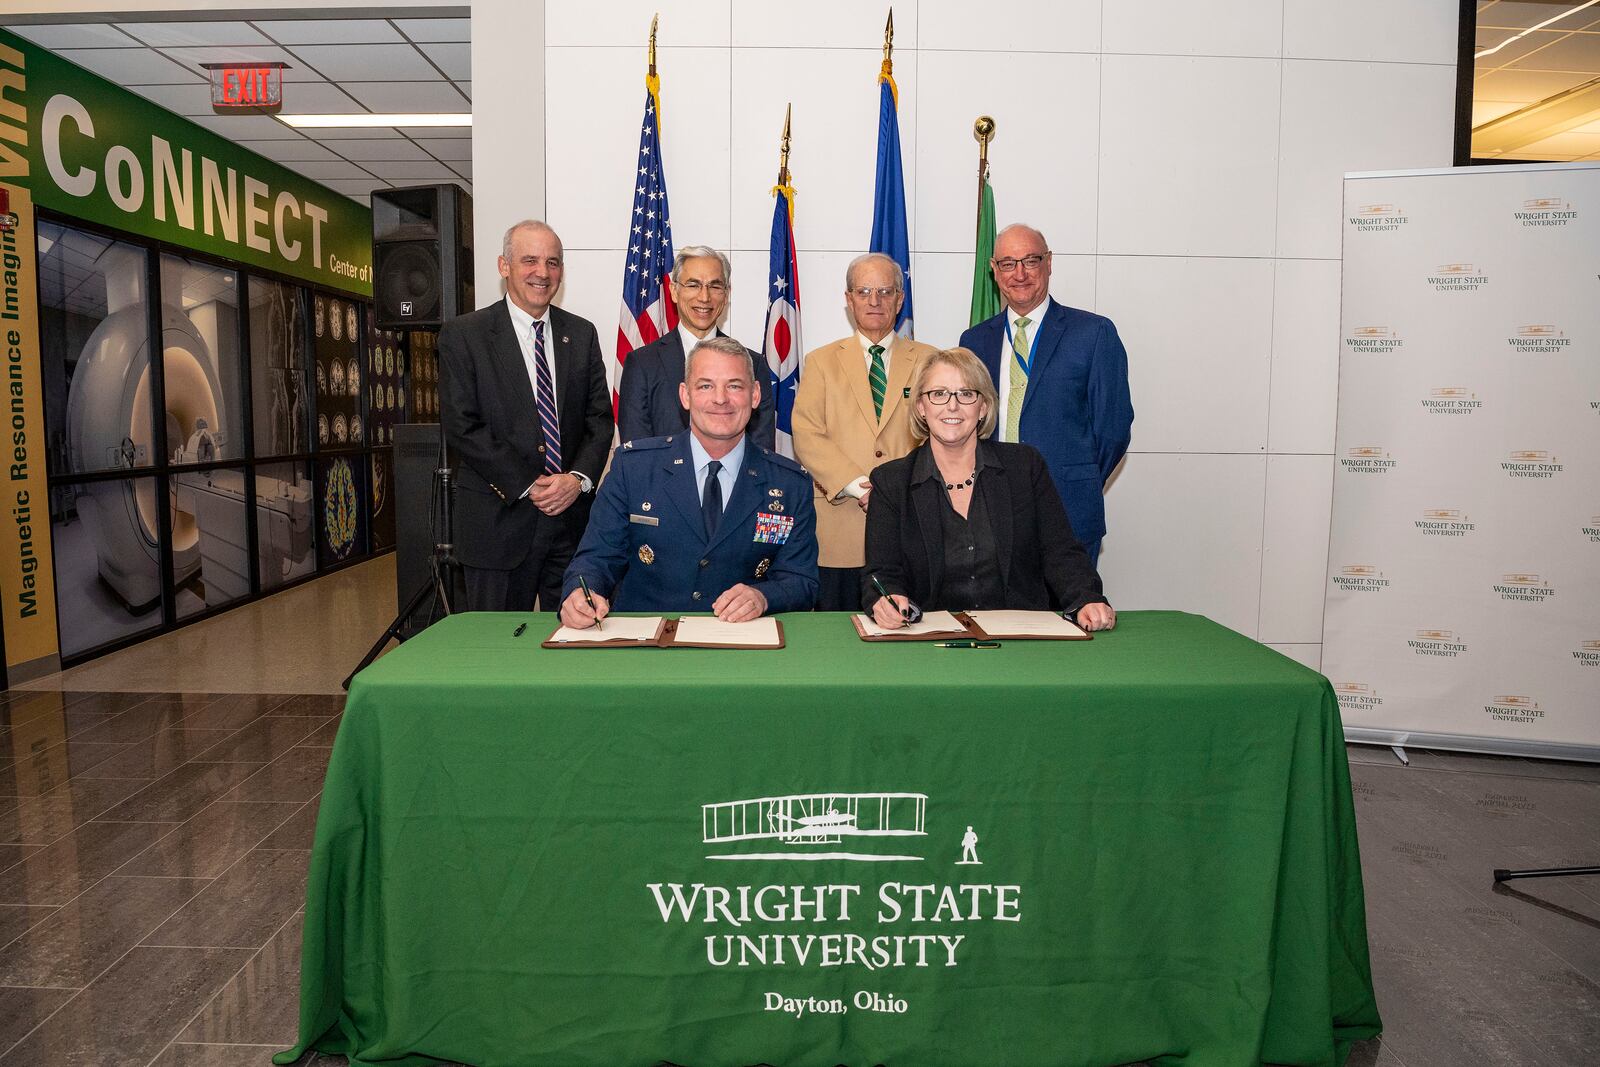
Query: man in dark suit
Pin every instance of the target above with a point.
(1062, 375)
(527, 415)
(706, 520)
(647, 397)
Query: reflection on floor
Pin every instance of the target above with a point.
(153, 855)
(304, 640)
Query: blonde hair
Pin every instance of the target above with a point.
(974, 375)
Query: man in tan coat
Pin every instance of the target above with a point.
(851, 413)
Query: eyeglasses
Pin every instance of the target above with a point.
(1007, 266)
(883, 292)
(694, 285)
(941, 397)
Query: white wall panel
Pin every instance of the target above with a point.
(1398, 31)
(836, 24)
(596, 106)
(835, 142)
(1309, 655)
(1294, 562)
(1305, 356)
(508, 153)
(621, 22)
(1198, 334)
(1182, 27)
(1019, 26)
(1343, 117)
(1042, 162)
(822, 316)
(592, 289)
(1185, 533)
(1188, 151)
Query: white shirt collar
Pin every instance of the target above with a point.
(887, 343)
(524, 321)
(689, 340)
(701, 457)
(1035, 317)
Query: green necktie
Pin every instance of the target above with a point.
(878, 379)
(1018, 382)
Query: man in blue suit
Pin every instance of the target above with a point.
(701, 521)
(1062, 376)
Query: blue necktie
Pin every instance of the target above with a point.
(711, 499)
(546, 400)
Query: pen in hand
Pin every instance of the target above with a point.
(589, 600)
(905, 613)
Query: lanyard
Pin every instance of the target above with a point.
(1025, 363)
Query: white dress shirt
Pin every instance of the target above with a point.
(863, 485)
(727, 476)
(1035, 321)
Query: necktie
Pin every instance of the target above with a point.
(878, 379)
(546, 399)
(1018, 381)
(711, 500)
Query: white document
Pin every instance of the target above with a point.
(699, 630)
(933, 622)
(1025, 624)
(611, 628)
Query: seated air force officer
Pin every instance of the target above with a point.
(700, 521)
(963, 523)
(647, 398)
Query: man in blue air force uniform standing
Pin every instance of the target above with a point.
(700, 521)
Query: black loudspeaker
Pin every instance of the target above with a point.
(416, 457)
(421, 256)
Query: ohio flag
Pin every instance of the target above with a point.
(647, 308)
(782, 345)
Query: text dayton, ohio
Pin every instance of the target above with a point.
(740, 906)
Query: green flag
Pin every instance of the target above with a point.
(985, 294)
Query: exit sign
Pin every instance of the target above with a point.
(256, 87)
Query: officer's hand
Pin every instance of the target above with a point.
(1097, 617)
(740, 604)
(554, 493)
(575, 610)
(886, 612)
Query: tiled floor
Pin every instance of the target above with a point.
(153, 852)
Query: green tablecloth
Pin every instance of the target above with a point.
(509, 839)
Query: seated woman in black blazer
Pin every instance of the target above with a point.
(963, 523)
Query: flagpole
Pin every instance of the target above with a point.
(783, 148)
(654, 21)
(983, 132)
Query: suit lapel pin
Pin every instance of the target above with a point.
(563, 338)
(647, 555)
(677, 463)
(752, 472)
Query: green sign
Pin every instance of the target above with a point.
(91, 150)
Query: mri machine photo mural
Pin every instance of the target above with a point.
(116, 460)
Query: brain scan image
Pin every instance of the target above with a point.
(335, 321)
(339, 429)
(322, 429)
(350, 321)
(321, 314)
(322, 380)
(355, 429)
(336, 378)
(353, 381)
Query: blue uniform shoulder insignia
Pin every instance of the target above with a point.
(786, 463)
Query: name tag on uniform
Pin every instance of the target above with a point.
(645, 520)
(773, 529)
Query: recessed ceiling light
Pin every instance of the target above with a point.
(367, 121)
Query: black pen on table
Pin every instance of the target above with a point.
(904, 613)
(589, 600)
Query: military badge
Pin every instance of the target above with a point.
(647, 555)
(774, 492)
(645, 506)
(773, 529)
(761, 568)
(775, 505)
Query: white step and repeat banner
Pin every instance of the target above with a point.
(1463, 606)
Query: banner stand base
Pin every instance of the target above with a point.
(1487, 746)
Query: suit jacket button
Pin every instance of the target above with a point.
(695, 594)
(705, 563)
(878, 454)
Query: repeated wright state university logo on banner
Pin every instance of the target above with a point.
(794, 924)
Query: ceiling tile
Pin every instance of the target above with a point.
(336, 169)
(182, 34)
(247, 127)
(466, 89)
(367, 62)
(355, 186)
(75, 36)
(463, 168)
(356, 133)
(193, 98)
(318, 98)
(447, 148)
(454, 59)
(299, 150)
(409, 98)
(1523, 86)
(330, 31)
(436, 131)
(130, 66)
(436, 29)
(295, 71)
(1578, 51)
(412, 172)
(398, 148)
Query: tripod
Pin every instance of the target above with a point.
(444, 570)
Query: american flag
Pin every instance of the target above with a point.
(783, 317)
(647, 308)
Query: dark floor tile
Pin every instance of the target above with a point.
(179, 794)
(61, 870)
(234, 711)
(263, 740)
(210, 842)
(21, 738)
(318, 704)
(184, 1054)
(13, 854)
(245, 906)
(16, 918)
(261, 1004)
(296, 775)
(128, 1015)
(155, 756)
(145, 720)
(40, 820)
(323, 737)
(23, 1009)
(86, 936)
(299, 832)
(46, 767)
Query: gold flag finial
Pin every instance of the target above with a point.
(783, 149)
(888, 38)
(983, 133)
(654, 19)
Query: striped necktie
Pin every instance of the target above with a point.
(878, 379)
(1017, 381)
(546, 399)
